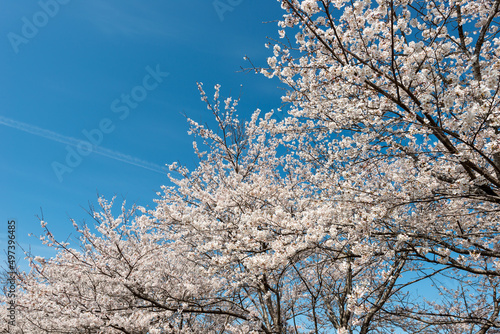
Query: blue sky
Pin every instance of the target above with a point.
(122, 73)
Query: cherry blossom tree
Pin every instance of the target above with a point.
(246, 242)
(368, 204)
(401, 99)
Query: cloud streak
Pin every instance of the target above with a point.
(47, 134)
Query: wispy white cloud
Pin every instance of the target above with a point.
(115, 155)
